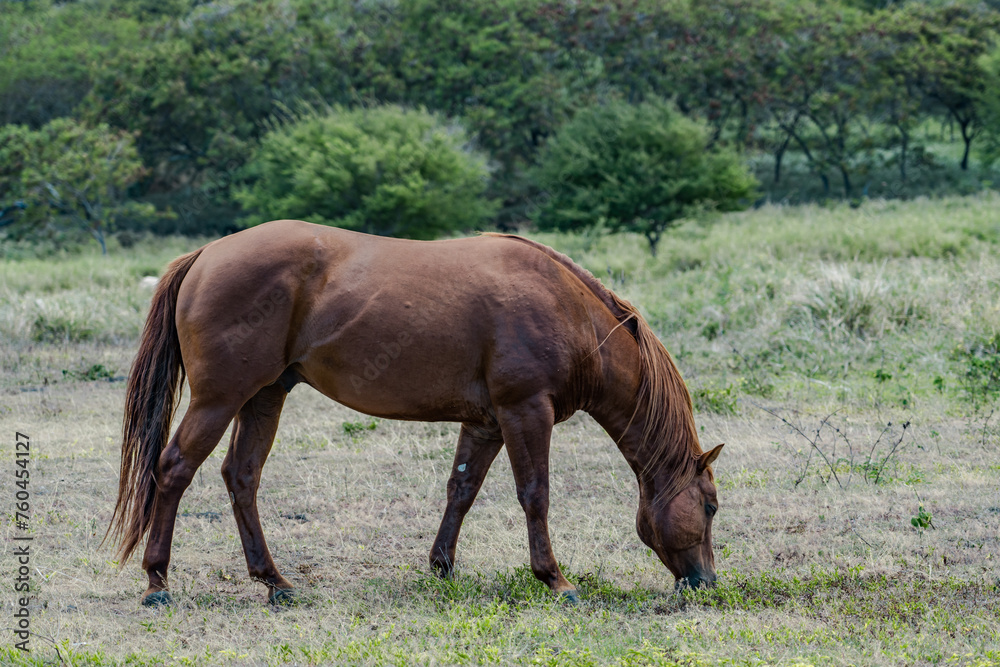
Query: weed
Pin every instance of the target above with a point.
(755, 382)
(721, 401)
(923, 520)
(711, 330)
(358, 428)
(881, 375)
(863, 306)
(824, 440)
(61, 329)
(94, 372)
(979, 359)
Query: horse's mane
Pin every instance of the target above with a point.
(669, 436)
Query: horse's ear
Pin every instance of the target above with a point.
(706, 459)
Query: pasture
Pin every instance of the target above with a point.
(848, 357)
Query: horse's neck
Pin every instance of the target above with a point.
(614, 407)
(625, 416)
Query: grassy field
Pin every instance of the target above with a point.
(848, 357)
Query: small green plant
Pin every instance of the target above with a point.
(721, 401)
(711, 330)
(756, 381)
(354, 429)
(95, 372)
(923, 520)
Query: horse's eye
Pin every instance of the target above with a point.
(711, 509)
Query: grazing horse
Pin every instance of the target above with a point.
(500, 333)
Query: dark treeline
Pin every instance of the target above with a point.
(825, 99)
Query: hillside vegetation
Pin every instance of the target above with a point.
(164, 114)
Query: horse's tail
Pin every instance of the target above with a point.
(150, 398)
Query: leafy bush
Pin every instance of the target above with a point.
(636, 168)
(90, 373)
(384, 170)
(354, 429)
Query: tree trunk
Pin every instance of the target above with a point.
(904, 140)
(847, 180)
(778, 156)
(99, 235)
(654, 239)
(967, 138)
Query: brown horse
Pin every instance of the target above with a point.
(500, 333)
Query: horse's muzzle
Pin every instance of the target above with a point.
(697, 580)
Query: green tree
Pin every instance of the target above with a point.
(822, 90)
(495, 64)
(202, 89)
(67, 175)
(46, 54)
(636, 168)
(382, 170)
(988, 101)
(198, 92)
(951, 41)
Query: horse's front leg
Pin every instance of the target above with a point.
(527, 429)
(475, 453)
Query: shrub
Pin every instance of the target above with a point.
(864, 306)
(385, 171)
(636, 168)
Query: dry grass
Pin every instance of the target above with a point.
(809, 574)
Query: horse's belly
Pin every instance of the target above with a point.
(399, 377)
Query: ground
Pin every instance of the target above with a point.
(859, 519)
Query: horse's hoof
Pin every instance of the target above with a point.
(570, 597)
(158, 599)
(281, 596)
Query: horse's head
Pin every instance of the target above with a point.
(680, 530)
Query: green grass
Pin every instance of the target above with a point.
(479, 619)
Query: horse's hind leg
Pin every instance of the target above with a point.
(252, 438)
(473, 457)
(527, 429)
(194, 440)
